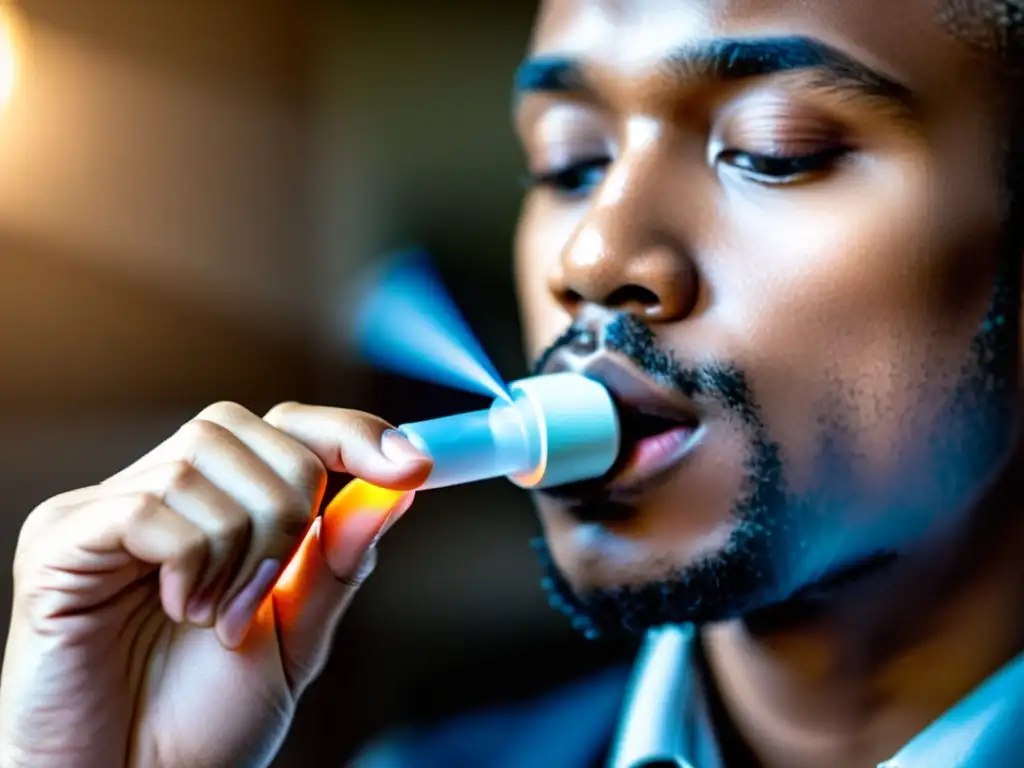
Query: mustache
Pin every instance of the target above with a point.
(629, 336)
(625, 334)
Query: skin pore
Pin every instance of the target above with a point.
(796, 215)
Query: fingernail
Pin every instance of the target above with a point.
(235, 620)
(398, 450)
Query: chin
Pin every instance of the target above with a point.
(608, 581)
(623, 533)
(594, 556)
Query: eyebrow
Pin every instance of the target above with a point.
(730, 59)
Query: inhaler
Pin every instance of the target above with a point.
(556, 429)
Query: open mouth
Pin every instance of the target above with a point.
(651, 444)
(659, 427)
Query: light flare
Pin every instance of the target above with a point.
(358, 497)
(10, 65)
(401, 319)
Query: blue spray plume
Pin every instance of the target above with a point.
(405, 322)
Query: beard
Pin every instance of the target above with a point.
(772, 562)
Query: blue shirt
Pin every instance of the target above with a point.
(666, 719)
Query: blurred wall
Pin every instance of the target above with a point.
(154, 200)
(186, 188)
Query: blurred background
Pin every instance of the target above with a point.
(185, 189)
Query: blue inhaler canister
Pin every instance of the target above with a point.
(557, 429)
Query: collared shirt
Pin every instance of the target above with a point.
(666, 720)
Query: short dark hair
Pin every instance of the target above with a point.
(995, 27)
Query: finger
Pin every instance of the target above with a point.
(226, 414)
(335, 558)
(180, 486)
(280, 515)
(142, 525)
(351, 442)
(223, 520)
(292, 461)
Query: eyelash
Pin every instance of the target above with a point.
(782, 169)
(575, 179)
(570, 180)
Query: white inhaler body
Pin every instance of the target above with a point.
(560, 428)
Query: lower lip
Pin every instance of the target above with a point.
(654, 455)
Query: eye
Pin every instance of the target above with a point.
(576, 179)
(782, 169)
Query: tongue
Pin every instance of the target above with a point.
(654, 448)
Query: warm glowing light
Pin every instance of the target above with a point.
(356, 498)
(361, 497)
(287, 586)
(10, 54)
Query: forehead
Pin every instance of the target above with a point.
(906, 38)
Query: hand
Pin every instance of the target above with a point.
(152, 625)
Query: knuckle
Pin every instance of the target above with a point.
(309, 475)
(200, 432)
(358, 425)
(143, 506)
(21, 566)
(38, 520)
(280, 412)
(182, 474)
(361, 432)
(224, 412)
(37, 530)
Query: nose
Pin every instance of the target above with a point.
(619, 259)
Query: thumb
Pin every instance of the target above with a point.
(333, 560)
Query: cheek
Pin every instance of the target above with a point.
(542, 236)
(857, 317)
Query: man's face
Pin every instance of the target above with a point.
(781, 226)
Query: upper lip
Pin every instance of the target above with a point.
(637, 395)
(627, 384)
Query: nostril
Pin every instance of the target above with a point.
(632, 294)
(571, 298)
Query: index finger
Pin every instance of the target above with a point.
(351, 442)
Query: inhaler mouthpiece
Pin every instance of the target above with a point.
(557, 429)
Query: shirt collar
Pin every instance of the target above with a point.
(665, 719)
